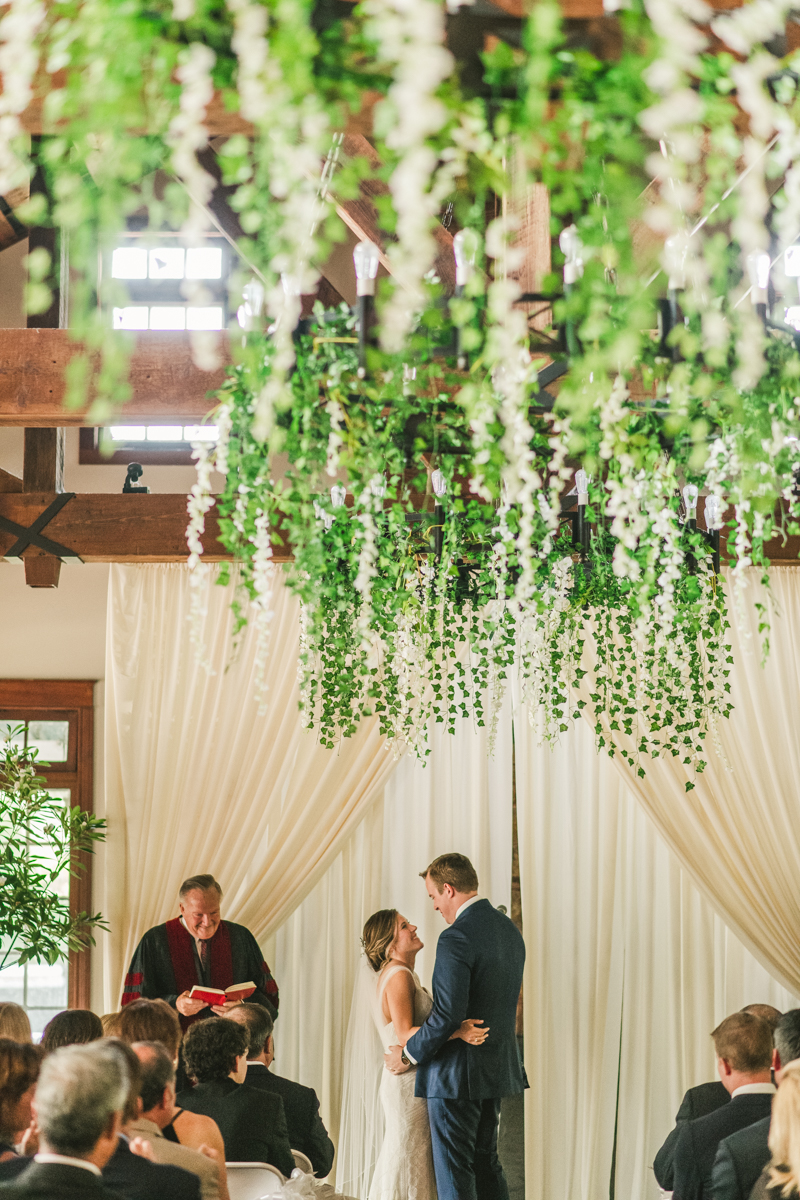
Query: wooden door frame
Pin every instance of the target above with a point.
(71, 699)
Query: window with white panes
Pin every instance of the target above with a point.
(56, 718)
(155, 278)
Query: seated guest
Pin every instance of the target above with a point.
(198, 947)
(157, 1094)
(781, 1178)
(109, 1023)
(301, 1106)
(14, 1022)
(698, 1102)
(129, 1172)
(155, 1021)
(743, 1044)
(19, 1070)
(74, 1027)
(252, 1122)
(742, 1156)
(78, 1108)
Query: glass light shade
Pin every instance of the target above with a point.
(465, 250)
(582, 482)
(758, 269)
(675, 262)
(253, 296)
(366, 260)
(378, 487)
(713, 512)
(690, 497)
(439, 483)
(338, 495)
(571, 246)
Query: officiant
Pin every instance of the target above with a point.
(198, 947)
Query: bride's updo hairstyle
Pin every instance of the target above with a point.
(379, 933)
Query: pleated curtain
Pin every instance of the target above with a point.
(197, 781)
(629, 969)
(737, 833)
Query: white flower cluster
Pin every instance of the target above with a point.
(410, 36)
(209, 457)
(19, 61)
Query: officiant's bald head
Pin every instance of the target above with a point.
(200, 898)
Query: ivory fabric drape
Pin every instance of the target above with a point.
(629, 969)
(738, 832)
(196, 780)
(458, 799)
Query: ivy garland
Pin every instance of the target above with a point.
(674, 163)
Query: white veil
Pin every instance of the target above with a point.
(361, 1130)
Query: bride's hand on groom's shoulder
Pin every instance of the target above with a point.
(470, 1032)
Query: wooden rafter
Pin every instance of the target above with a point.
(165, 382)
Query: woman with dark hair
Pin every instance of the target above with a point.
(252, 1122)
(74, 1027)
(19, 1070)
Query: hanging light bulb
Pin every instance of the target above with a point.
(439, 483)
(571, 247)
(690, 500)
(758, 265)
(253, 296)
(325, 517)
(366, 259)
(582, 486)
(291, 284)
(675, 262)
(378, 487)
(713, 512)
(465, 250)
(338, 495)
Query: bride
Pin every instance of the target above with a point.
(389, 1006)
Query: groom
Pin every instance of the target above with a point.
(478, 974)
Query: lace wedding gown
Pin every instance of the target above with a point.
(404, 1170)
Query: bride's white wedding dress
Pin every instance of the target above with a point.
(404, 1170)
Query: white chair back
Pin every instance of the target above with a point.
(303, 1162)
(252, 1181)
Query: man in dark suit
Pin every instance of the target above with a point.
(252, 1122)
(301, 1106)
(743, 1044)
(698, 1102)
(478, 974)
(79, 1104)
(742, 1157)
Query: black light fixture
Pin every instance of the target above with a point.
(135, 472)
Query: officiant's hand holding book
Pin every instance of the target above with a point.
(222, 1000)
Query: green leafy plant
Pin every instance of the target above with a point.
(40, 840)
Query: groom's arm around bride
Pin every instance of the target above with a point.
(478, 974)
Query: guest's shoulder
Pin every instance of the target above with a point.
(701, 1099)
(288, 1087)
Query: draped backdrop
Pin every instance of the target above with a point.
(648, 914)
(196, 780)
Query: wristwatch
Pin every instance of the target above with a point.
(404, 1058)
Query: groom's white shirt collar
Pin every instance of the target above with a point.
(465, 906)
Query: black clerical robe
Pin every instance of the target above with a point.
(165, 964)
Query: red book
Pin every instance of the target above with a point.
(209, 995)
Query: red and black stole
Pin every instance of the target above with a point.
(181, 952)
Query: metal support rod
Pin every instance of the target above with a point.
(438, 531)
(365, 308)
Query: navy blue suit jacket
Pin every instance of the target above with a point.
(478, 974)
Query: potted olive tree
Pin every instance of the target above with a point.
(41, 839)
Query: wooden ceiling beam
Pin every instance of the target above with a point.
(165, 382)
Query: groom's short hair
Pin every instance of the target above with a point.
(455, 869)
